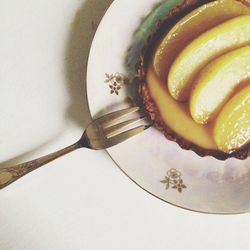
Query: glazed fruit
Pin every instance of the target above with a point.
(223, 38)
(199, 20)
(232, 129)
(197, 82)
(176, 114)
(217, 82)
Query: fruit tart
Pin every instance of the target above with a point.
(195, 77)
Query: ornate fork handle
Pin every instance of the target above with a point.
(102, 133)
(11, 174)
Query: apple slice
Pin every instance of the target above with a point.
(216, 83)
(223, 38)
(198, 21)
(232, 127)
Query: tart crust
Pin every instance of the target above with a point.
(148, 102)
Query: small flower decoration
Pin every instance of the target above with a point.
(173, 174)
(115, 82)
(173, 179)
(179, 185)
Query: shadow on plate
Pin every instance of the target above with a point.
(80, 38)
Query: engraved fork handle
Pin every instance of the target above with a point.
(98, 135)
(10, 174)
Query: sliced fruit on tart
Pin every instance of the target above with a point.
(176, 115)
(223, 38)
(216, 56)
(217, 82)
(232, 128)
(197, 21)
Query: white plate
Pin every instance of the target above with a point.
(205, 184)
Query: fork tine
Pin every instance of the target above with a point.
(125, 135)
(112, 117)
(111, 131)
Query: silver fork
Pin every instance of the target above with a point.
(102, 133)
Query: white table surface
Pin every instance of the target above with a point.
(81, 201)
